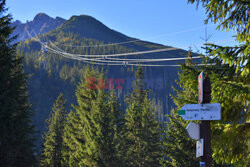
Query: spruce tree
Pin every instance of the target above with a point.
(53, 138)
(74, 138)
(229, 135)
(179, 149)
(94, 125)
(16, 132)
(230, 16)
(143, 145)
(230, 80)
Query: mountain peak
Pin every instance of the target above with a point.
(83, 19)
(42, 16)
(42, 23)
(17, 22)
(89, 27)
(82, 16)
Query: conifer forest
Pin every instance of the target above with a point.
(76, 93)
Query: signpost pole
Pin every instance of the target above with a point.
(205, 129)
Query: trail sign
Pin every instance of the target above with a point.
(193, 130)
(200, 88)
(201, 111)
(199, 148)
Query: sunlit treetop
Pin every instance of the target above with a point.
(230, 15)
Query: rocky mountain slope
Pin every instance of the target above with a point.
(41, 24)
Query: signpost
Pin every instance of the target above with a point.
(201, 111)
(205, 112)
(200, 88)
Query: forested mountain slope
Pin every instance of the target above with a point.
(51, 73)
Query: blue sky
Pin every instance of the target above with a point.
(169, 22)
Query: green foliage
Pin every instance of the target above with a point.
(53, 139)
(231, 15)
(179, 149)
(16, 132)
(143, 145)
(51, 73)
(186, 93)
(230, 135)
(93, 129)
(67, 69)
(230, 84)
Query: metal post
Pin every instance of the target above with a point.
(205, 130)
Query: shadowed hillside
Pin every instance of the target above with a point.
(52, 73)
